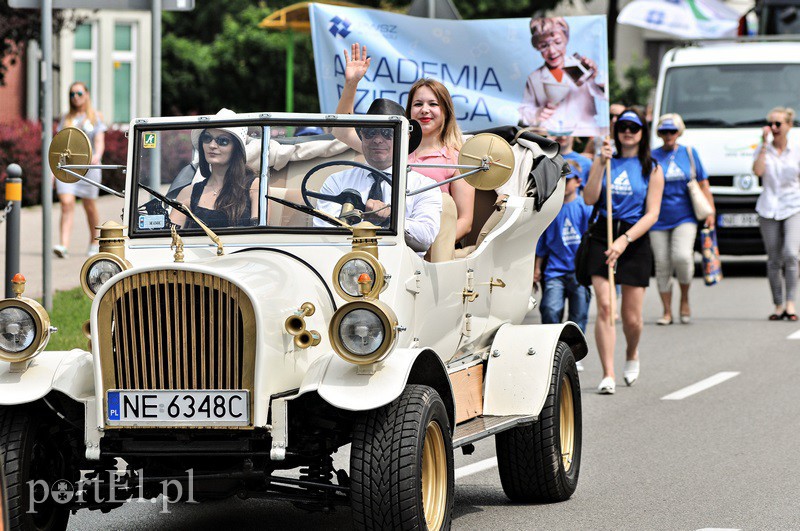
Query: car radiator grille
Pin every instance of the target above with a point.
(175, 329)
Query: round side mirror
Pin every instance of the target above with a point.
(495, 152)
(69, 146)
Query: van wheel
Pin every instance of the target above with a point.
(540, 462)
(33, 461)
(401, 464)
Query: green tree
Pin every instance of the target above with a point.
(637, 84)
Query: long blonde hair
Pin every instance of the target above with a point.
(87, 109)
(450, 135)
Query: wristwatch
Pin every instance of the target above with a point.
(627, 237)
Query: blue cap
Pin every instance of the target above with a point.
(668, 125)
(573, 173)
(630, 116)
(307, 131)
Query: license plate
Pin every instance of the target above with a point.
(179, 408)
(738, 220)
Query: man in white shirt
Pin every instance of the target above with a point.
(423, 210)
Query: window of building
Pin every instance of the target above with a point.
(84, 57)
(124, 60)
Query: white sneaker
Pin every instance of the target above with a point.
(579, 365)
(60, 251)
(631, 372)
(607, 386)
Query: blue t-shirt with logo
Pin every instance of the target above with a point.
(561, 238)
(676, 205)
(628, 190)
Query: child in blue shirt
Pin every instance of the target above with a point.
(558, 245)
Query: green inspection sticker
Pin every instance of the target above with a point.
(149, 140)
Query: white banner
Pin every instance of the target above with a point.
(547, 72)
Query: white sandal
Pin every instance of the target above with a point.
(631, 372)
(607, 386)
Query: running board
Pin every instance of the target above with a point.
(482, 427)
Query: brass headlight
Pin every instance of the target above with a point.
(99, 269)
(363, 332)
(24, 329)
(350, 268)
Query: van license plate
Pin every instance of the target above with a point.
(738, 220)
(179, 408)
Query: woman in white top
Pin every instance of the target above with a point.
(777, 163)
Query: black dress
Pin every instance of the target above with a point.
(211, 217)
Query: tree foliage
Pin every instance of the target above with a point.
(214, 59)
(18, 26)
(636, 87)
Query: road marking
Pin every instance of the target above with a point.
(719, 529)
(796, 335)
(700, 386)
(474, 468)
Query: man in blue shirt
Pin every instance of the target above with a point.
(557, 246)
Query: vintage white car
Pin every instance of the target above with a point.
(227, 350)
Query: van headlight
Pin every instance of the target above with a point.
(350, 268)
(24, 329)
(363, 332)
(99, 269)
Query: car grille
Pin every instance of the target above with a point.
(175, 329)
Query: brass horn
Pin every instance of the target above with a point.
(307, 338)
(295, 324)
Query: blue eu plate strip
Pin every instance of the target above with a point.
(113, 405)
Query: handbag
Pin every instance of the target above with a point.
(582, 274)
(712, 267)
(702, 208)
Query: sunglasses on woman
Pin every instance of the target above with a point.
(76, 93)
(221, 140)
(385, 132)
(774, 124)
(628, 127)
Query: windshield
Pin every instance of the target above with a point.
(730, 95)
(245, 177)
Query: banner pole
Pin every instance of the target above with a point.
(612, 288)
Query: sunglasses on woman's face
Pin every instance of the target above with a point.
(221, 140)
(628, 127)
(385, 132)
(668, 132)
(774, 124)
(78, 93)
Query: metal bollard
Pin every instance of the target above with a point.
(14, 197)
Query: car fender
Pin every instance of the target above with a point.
(521, 363)
(71, 372)
(343, 385)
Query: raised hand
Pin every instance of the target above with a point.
(356, 67)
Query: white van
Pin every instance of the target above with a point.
(723, 91)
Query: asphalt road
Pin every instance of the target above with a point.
(723, 457)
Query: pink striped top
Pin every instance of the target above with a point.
(442, 156)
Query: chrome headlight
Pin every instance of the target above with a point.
(24, 329)
(363, 332)
(352, 267)
(99, 269)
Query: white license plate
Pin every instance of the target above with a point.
(738, 220)
(178, 408)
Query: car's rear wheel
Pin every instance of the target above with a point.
(540, 462)
(401, 464)
(34, 460)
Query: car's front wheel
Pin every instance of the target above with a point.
(541, 462)
(401, 464)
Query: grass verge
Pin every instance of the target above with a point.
(70, 310)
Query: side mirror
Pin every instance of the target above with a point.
(70, 146)
(487, 150)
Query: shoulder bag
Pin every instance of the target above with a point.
(582, 273)
(702, 208)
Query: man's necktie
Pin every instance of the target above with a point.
(375, 192)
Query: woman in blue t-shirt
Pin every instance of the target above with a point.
(637, 183)
(674, 233)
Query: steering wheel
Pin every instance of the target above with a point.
(346, 196)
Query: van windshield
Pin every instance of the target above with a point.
(730, 95)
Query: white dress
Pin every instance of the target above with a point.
(80, 188)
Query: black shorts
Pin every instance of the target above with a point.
(633, 266)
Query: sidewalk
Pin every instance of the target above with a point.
(65, 271)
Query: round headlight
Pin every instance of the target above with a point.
(17, 329)
(98, 270)
(355, 265)
(349, 274)
(364, 331)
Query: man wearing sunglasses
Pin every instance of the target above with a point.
(423, 211)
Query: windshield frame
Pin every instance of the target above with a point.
(265, 122)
